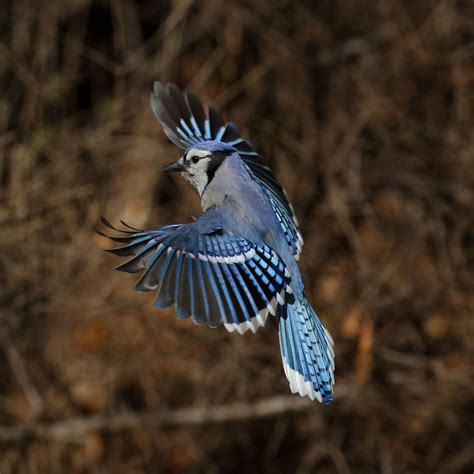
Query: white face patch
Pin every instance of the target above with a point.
(196, 163)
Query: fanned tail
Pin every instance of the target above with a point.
(307, 352)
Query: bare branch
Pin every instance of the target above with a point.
(75, 428)
(24, 379)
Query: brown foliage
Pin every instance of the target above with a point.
(365, 112)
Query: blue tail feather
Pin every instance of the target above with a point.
(307, 352)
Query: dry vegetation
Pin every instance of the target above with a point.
(366, 112)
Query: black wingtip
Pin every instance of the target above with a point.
(98, 231)
(165, 104)
(130, 234)
(157, 87)
(130, 227)
(171, 86)
(107, 224)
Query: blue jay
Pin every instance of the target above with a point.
(237, 262)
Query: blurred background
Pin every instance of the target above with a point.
(365, 111)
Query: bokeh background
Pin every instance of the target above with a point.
(365, 110)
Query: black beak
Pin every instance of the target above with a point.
(175, 166)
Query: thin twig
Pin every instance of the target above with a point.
(75, 428)
(24, 379)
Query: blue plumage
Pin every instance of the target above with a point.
(186, 125)
(236, 263)
(210, 273)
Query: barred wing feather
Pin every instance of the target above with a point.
(210, 274)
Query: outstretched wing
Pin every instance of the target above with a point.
(186, 123)
(213, 275)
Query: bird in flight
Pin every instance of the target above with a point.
(237, 263)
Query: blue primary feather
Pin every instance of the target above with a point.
(192, 264)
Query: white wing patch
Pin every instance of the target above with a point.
(261, 318)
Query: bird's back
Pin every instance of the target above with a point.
(247, 210)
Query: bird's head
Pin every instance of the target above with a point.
(199, 164)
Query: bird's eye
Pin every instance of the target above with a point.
(195, 159)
